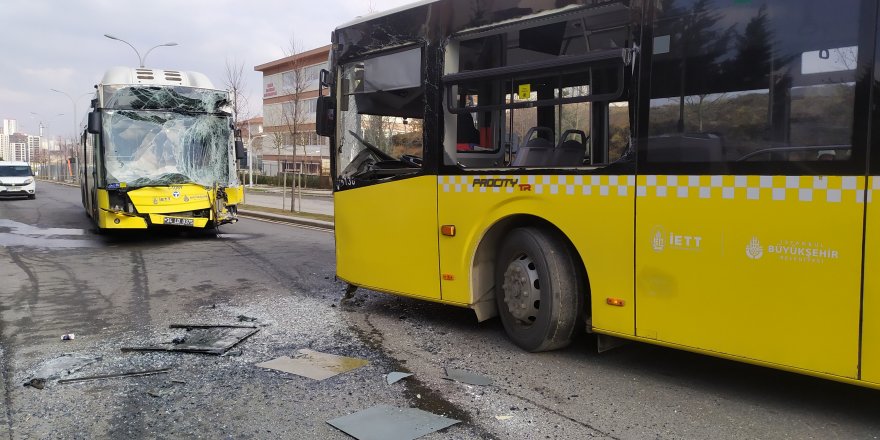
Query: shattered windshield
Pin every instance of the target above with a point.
(177, 98)
(381, 114)
(162, 148)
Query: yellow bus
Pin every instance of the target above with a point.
(159, 150)
(696, 174)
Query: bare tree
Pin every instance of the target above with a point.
(294, 83)
(278, 142)
(236, 86)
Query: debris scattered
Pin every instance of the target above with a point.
(387, 422)
(68, 337)
(204, 338)
(56, 368)
(163, 389)
(243, 318)
(314, 364)
(395, 376)
(38, 383)
(503, 417)
(116, 375)
(467, 377)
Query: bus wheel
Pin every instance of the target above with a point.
(537, 289)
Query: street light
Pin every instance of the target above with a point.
(143, 59)
(73, 101)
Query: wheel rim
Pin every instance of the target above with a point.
(522, 293)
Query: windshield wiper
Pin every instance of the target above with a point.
(382, 155)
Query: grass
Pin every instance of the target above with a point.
(324, 217)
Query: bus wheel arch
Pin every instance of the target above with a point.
(539, 239)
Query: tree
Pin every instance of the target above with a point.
(236, 85)
(294, 83)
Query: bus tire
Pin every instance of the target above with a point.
(537, 294)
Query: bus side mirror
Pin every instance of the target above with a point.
(239, 149)
(325, 121)
(94, 123)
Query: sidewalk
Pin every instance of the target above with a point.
(315, 207)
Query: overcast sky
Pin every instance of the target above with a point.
(59, 44)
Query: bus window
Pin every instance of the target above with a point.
(777, 85)
(380, 116)
(511, 109)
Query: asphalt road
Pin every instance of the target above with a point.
(57, 277)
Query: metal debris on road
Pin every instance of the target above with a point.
(314, 364)
(204, 338)
(68, 337)
(38, 383)
(116, 375)
(243, 318)
(395, 376)
(384, 422)
(467, 377)
(59, 367)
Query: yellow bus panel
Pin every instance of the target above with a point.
(870, 361)
(594, 212)
(386, 237)
(718, 268)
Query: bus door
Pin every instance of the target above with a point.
(870, 319)
(751, 200)
(385, 204)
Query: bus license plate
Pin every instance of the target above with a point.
(177, 221)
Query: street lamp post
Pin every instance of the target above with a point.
(73, 101)
(143, 59)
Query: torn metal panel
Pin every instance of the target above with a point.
(383, 422)
(202, 338)
(467, 377)
(396, 376)
(314, 364)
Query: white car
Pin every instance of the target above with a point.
(17, 180)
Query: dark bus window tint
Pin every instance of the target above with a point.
(538, 117)
(758, 81)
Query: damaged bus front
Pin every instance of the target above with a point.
(159, 150)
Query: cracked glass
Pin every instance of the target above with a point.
(157, 135)
(381, 115)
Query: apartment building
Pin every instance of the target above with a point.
(290, 92)
(7, 129)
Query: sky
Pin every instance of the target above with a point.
(60, 44)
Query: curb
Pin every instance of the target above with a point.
(287, 219)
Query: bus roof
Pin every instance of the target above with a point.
(435, 20)
(147, 76)
(370, 17)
